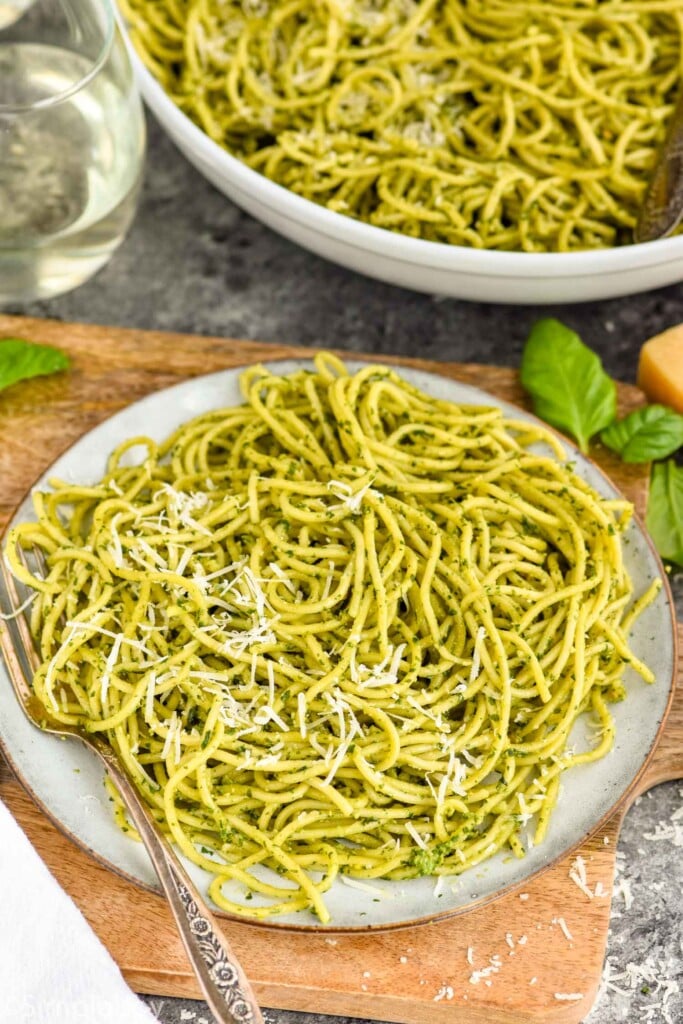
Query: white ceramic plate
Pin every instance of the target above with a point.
(433, 267)
(67, 780)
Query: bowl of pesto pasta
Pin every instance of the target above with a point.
(374, 646)
(481, 149)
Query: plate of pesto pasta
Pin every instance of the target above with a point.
(374, 646)
(482, 149)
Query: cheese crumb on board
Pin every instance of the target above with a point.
(660, 368)
(564, 928)
(577, 873)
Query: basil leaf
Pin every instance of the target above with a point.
(665, 510)
(654, 432)
(20, 360)
(567, 383)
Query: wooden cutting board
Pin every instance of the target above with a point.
(415, 976)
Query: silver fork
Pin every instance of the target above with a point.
(218, 971)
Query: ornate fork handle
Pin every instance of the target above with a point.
(218, 971)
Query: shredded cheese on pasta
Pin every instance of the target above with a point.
(342, 627)
(485, 123)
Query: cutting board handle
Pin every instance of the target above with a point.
(667, 762)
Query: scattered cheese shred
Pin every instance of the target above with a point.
(476, 658)
(416, 835)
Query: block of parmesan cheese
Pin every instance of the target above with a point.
(660, 369)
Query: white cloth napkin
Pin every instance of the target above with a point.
(53, 968)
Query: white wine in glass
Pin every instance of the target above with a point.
(72, 143)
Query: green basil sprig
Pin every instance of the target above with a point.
(653, 432)
(571, 390)
(665, 510)
(568, 386)
(21, 360)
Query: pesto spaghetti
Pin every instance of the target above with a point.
(486, 123)
(342, 627)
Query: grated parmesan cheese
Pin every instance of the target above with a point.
(356, 883)
(476, 658)
(349, 499)
(445, 992)
(410, 828)
(577, 873)
(22, 608)
(112, 658)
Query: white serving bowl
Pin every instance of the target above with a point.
(433, 267)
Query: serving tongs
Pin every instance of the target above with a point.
(661, 211)
(222, 980)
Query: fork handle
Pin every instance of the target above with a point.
(223, 982)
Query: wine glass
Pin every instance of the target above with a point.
(72, 143)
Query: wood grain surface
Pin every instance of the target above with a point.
(415, 976)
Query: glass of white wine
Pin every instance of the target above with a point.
(72, 144)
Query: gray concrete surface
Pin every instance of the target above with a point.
(194, 262)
